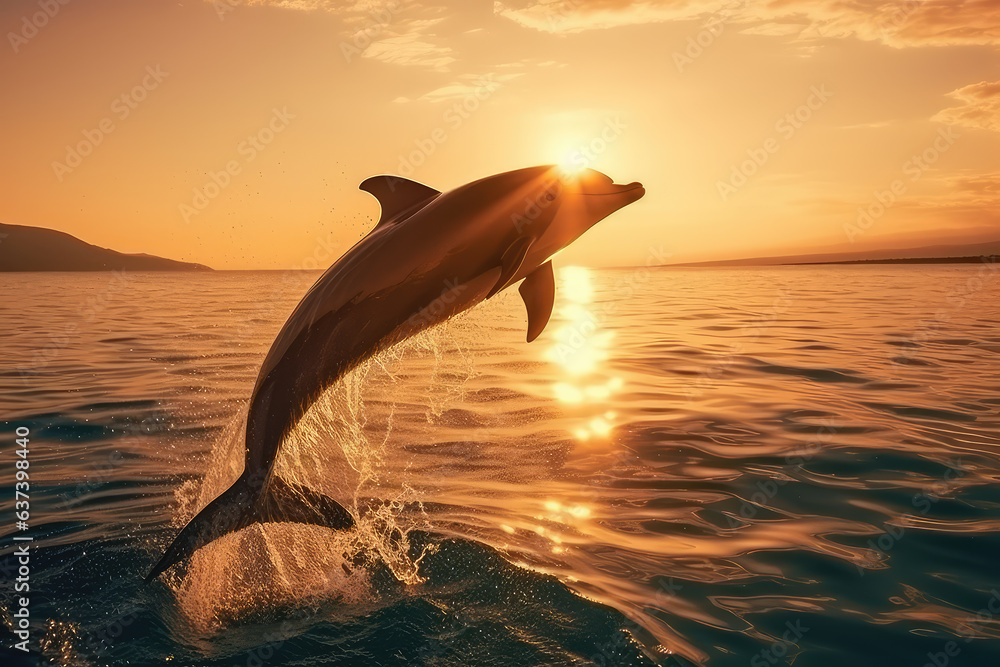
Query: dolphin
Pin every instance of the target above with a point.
(429, 257)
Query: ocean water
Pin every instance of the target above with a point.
(710, 466)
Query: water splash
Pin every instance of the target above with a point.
(339, 448)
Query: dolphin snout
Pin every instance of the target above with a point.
(632, 192)
(604, 201)
(634, 185)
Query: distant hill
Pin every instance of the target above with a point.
(977, 259)
(932, 254)
(25, 248)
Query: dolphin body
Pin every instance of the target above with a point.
(431, 256)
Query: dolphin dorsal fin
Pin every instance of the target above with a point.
(539, 293)
(399, 197)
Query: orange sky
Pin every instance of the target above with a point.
(756, 127)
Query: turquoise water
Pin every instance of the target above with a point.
(729, 467)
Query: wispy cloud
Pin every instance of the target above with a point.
(775, 29)
(899, 24)
(943, 21)
(873, 125)
(411, 49)
(979, 186)
(569, 16)
(463, 87)
(390, 31)
(358, 7)
(980, 107)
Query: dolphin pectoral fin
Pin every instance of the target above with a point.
(295, 503)
(510, 263)
(538, 291)
(398, 197)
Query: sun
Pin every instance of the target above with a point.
(570, 152)
(572, 164)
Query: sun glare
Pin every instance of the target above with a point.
(580, 348)
(576, 285)
(571, 166)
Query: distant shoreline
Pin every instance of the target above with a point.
(986, 257)
(907, 260)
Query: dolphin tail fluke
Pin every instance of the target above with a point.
(241, 506)
(294, 503)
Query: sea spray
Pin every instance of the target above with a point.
(339, 448)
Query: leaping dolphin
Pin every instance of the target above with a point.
(430, 257)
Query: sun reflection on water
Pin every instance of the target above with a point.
(580, 350)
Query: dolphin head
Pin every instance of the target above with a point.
(534, 213)
(586, 197)
(567, 204)
(548, 209)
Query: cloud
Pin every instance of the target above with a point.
(570, 16)
(980, 107)
(358, 7)
(979, 186)
(382, 32)
(410, 49)
(899, 24)
(873, 125)
(975, 194)
(464, 87)
(390, 31)
(775, 29)
(945, 21)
